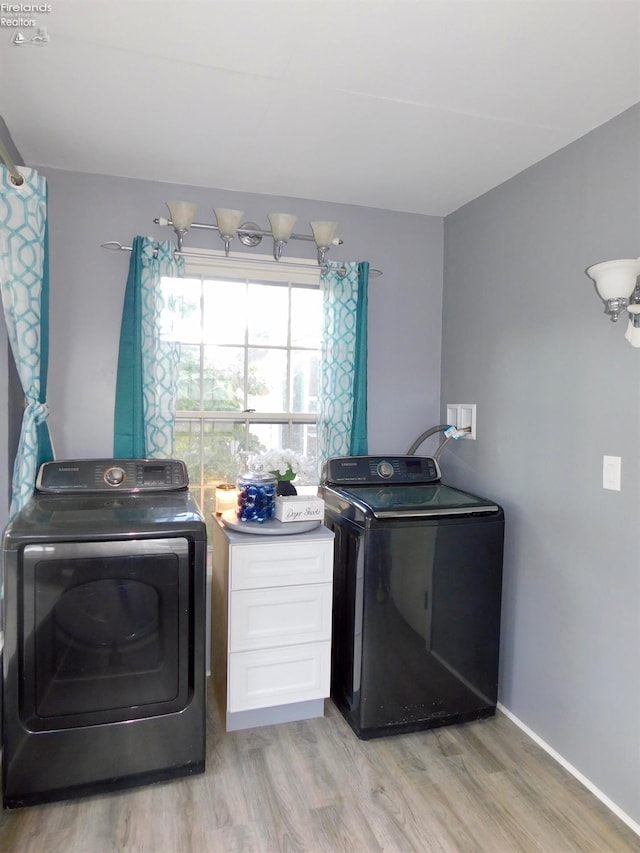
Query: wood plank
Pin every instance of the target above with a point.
(313, 786)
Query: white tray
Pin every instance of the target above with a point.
(273, 527)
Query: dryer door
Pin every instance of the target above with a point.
(106, 631)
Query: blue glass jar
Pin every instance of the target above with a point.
(256, 497)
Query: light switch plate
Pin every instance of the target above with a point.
(611, 472)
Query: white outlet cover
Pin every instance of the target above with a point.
(611, 473)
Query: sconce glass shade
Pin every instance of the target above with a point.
(615, 279)
(181, 213)
(228, 221)
(323, 233)
(282, 225)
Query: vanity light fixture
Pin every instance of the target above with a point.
(250, 234)
(617, 286)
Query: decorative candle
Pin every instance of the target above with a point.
(226, 497)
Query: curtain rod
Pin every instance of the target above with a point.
(16, 177)
(115, 246)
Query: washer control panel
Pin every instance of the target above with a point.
(109, 475)
(371, 470)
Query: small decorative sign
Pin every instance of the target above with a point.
(299, 508)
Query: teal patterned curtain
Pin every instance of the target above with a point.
(24, 284)
(342, 415)
(146, 385)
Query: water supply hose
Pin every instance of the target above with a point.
(425, 435)
(450, 432)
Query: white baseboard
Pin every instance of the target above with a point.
(579, 776)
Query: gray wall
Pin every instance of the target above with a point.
(87, 288)
(556, 386)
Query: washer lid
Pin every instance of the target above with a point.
(416, 501)
(86, 517)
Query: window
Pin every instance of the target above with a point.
(249, 340)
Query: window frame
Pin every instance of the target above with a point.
(254, 269)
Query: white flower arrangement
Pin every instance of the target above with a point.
(283, 464)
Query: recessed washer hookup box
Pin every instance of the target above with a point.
(299, 508)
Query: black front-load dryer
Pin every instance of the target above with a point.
(104, 620)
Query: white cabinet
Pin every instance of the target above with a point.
(271, 625)
(276, 676)
(279, 616)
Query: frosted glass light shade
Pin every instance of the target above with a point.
(615, 279)
(282, 225)
(181, 213)
(228, 220)
(323, 233)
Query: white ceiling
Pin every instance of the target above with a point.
(409, 105)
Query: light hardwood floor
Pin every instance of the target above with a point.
(313, 786)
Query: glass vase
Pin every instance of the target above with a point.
(256, 497)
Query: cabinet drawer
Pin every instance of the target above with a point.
(281, 563)
(278, 616)
(261, 679)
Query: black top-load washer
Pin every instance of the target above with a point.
(417, 595)
(104, 620)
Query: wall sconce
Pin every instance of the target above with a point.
(228, 222)
(617, 285)
(181, 213)
(250, 234)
